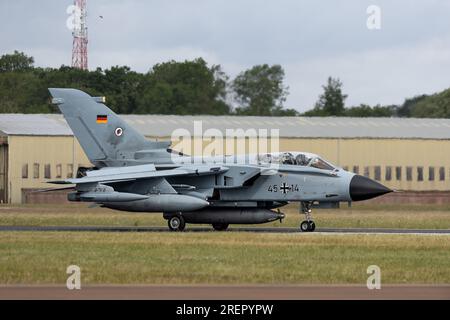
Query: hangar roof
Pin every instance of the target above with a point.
(290, 127)
(34, 124)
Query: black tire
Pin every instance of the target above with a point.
(176, 223)
(304, 226)
(220, 226)
(312, 226)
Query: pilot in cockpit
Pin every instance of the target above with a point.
(287, 158)
(302, 159)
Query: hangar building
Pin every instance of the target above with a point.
(404, 154)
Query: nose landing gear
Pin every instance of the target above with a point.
(308, 225)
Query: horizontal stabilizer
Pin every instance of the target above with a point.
(52, 189)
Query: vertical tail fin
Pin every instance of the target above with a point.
(106, 139)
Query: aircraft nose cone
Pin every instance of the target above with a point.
(363, 188)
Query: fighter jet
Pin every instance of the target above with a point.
(132, 173)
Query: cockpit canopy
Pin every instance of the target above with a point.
(295, 158)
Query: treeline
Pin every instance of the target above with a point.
(332, 103)
(188, 88)
(183, 88)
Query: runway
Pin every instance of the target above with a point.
(227, 292)
(233, 229)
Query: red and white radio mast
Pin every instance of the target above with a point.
(80, 37)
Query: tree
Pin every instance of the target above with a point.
(260, 91)
(17, 61)
(365, 110)
(405, 110)
(121, 87)
(331, 101)
(189, 87)
(23, 92)
(433, 106)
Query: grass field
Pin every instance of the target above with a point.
(367, 216)
(221, 258)
(224, 258)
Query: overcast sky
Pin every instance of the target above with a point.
(312, 40)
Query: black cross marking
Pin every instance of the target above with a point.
(285, 188)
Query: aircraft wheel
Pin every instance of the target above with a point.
(176, 223)
(312, 226)
(304, 226)
(220, 226)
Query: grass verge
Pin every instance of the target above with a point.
(361, 216)
(222, 258)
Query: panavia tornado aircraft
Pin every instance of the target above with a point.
(132, 173)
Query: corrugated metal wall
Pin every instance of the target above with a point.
(37, 159)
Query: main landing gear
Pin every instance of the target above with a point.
(176, 223)
(308, 225)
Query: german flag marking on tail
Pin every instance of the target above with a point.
(102, 119)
